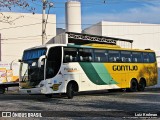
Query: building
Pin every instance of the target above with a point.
(23, 30)
(144, 35)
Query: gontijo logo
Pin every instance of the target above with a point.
(125, 68)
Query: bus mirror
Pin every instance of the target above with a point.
(41, 61)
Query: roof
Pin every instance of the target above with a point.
(79, 38)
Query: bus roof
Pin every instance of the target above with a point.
(107, 46)
(92, 45)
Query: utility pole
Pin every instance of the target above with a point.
(0, 47)
(43, 22)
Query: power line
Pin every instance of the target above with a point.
(8, 39)
(140, 25)
(11, 55)
(20, 38)
(21, 42)
(20, 26)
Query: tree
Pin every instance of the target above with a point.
(12, 3)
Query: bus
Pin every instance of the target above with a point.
(71, 68)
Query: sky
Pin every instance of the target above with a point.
(94, 11)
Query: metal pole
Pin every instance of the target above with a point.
(43, 22)
(0, 46)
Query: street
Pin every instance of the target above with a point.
(116, 102)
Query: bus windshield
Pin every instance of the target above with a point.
(32, 74)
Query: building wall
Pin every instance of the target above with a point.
(95, 29)
(144, 35)
(23, 32)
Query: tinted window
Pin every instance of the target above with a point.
(101, 55)
(85, 55)
(70, 55)
(152, 57)
(33, 54)
(126, 56)
(136, 57)
(114, 56)
(145, 57)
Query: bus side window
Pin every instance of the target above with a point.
(70, 55)
(85, 55)
(114, 56)
(152, 57)
(97, 59)
(101, 55)
(126, 56)
(145, 57)
(137, 57)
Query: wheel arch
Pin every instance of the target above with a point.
(134, 79)
(75, 84)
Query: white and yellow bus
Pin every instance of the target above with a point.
(70, 68)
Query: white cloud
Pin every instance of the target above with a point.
(146, 14)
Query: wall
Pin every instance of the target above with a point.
(94, 29)
(144, 35)
(22, 32)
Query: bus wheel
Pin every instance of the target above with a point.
(2, 90)
(49, 95)
(141, 85)
(70, 91)
(133, 86)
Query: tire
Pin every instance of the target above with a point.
(141, 85)
(133, 86)
(70, 91)
(2, 90)
(49, 95)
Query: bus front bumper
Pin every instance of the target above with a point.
(31, 91)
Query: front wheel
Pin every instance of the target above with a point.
(2, 90)
(70, 91)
